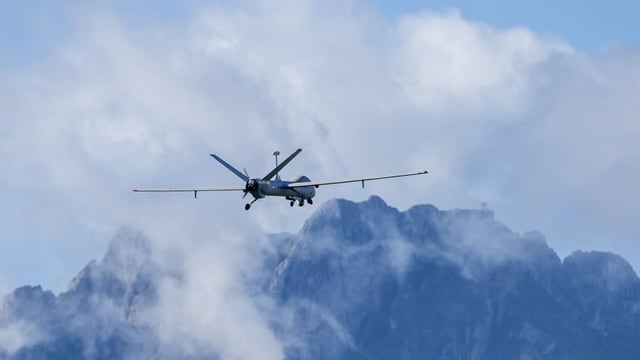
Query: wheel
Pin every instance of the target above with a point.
(291, 204)
(247, 206)
(301, 203)
(309, 201)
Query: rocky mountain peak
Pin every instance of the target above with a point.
(129, 248)
(27, 302)
(128, 256)
(607, 270)
(363, 280)
(124, 278)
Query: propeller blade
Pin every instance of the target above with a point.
(246, 173)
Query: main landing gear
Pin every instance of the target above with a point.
(300, 202)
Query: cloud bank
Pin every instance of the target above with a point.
(17, 335)
(546, 135)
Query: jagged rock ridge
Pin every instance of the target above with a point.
(95, 317)
(366, 281)
(374, 282)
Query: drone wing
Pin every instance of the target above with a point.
(187, 190)
(362, 180)
(195, 191)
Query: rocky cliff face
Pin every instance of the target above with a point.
(365, 281)
(374, 282)
(95, 317)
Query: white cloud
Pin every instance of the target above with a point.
(545, 134)
(209, 310)
(16, 335)
(570, 164)
(444, 59)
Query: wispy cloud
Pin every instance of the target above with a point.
(209, 307)
(545, 134)
(16, 335)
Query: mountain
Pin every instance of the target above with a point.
(370, 282)
(95, 317)
(362, 281)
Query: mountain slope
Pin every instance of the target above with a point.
(359, 281)
(378, 283)
(94, 318)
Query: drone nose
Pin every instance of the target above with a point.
(251, 185)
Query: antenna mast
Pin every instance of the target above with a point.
(276, 153)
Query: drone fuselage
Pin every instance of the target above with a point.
(279, 187)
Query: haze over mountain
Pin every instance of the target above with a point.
(358, 281)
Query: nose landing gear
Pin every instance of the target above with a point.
(247, 206)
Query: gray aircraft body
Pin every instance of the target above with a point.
(301, 189)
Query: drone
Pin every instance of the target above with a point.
(300, 189)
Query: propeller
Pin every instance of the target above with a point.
(251, 185)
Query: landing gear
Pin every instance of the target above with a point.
(300, 201)
(247, 206)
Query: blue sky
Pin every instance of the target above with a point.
(98, 99)
(29, 29)
(587, 25)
